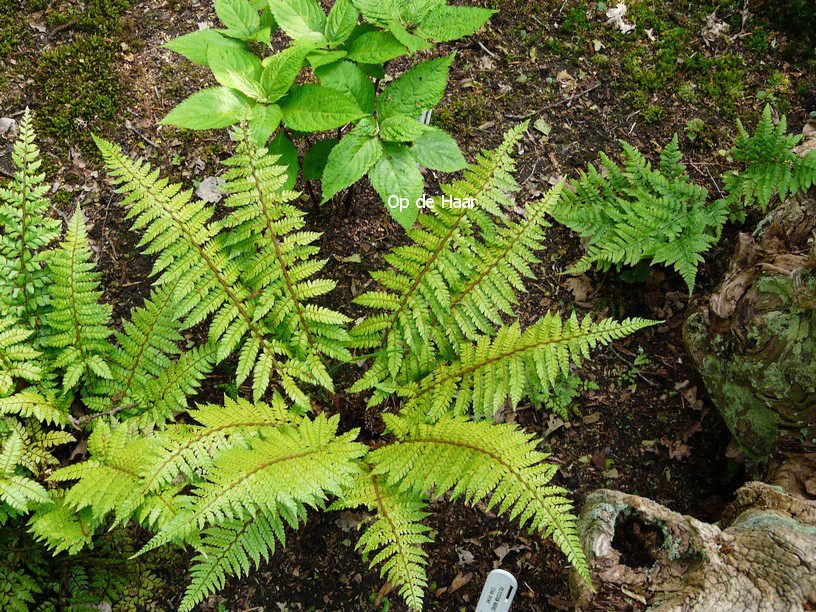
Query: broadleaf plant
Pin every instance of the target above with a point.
(232, 480)
(363, 126)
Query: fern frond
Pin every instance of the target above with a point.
(266, 224)
(24, 232)
(280, 474)
(110, 479)
(478, 306)
(76, 325)
(636, 213)
(62, 528)
(183, 450)
(230, 549)
(206, 273)
(19, 360)
(17, 490)
(28, 404)
(482, 461)
(168, 393)
(512, 365)
(396, 533)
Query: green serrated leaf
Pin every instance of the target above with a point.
(313, 108)
(448, 23)
(415, 91)
(238, 15)
(375, 48)
(321, 57)
(236, 69)
(437, 150)
(281, 70)
(298, 18)
(194, 45)
(411, 42)
(348, 79)
(314, 162)
(265, 120)
(401, 128)
(209, 109)
(341, 21)
(397, 174)
(349, 161)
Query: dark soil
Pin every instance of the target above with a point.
(645, 426)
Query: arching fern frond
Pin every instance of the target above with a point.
(25, 231)
(279, 474)
(266, 224)
(208, 273)
(396, 533)
(422, 277)
(76, 325)
(498, 464)
(503, 264)
(29, 404)
(109, 480)
(512, 365)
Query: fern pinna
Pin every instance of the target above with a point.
(231, 480)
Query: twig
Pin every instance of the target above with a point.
(142, 136)
(77, 421)
(486, 50)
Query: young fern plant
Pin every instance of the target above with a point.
(635, 212)
(771, 166)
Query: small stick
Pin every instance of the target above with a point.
(76, 421)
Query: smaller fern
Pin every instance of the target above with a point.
(635, 212)
(772, 167)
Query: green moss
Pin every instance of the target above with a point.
(654, 114)
(76, 83)
(14, 31)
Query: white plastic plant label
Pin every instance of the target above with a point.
(498, 592)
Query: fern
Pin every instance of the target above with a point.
(772, 167)
(490, 292)
(280, 474)
(481, 461)
(513, 366)
(424, 277)
(77, 323)
(24, 232)
(229, 479)
(637, 213)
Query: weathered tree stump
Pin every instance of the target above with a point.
(761, 556)
(754, 339)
